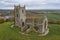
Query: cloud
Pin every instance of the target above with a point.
(31, 4)
(7, 4)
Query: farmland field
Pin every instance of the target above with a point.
(52, 16)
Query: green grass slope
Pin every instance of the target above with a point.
(7, 33)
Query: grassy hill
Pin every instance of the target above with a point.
(7, 33)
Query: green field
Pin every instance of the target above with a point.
(52, 16)
(7, 33)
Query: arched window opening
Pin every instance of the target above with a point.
(22, 24)
(22, 11)
(17, 15)
(45, 24)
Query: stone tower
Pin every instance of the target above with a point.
(20, 15)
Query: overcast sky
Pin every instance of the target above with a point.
(31, 4)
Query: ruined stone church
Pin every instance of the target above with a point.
(29, 23)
